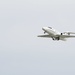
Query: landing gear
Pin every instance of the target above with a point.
(44, 32)
(56, 38)
(53, 38)
(61, 33)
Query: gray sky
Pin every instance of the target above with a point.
(21, 52)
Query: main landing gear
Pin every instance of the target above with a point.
(61, 33)
(56, 38)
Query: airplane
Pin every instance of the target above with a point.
(55, 35)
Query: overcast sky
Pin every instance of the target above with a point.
(21, 51)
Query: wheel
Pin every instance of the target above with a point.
(61, 33)
(53, 38)
(44, 32)
(58, 38)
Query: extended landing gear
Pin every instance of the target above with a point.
(53, 38)
(44, 32)
(61, 33)
(56, 38)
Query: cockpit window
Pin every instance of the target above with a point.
(50, 27)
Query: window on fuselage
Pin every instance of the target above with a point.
(50, 27)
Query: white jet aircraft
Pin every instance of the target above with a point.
(55, 35)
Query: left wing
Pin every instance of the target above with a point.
(48, 36)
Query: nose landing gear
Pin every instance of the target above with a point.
(44, 32)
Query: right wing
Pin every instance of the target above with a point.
(69, 33)
(66, 36)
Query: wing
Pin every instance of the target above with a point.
(66, 36)
(48, 36)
